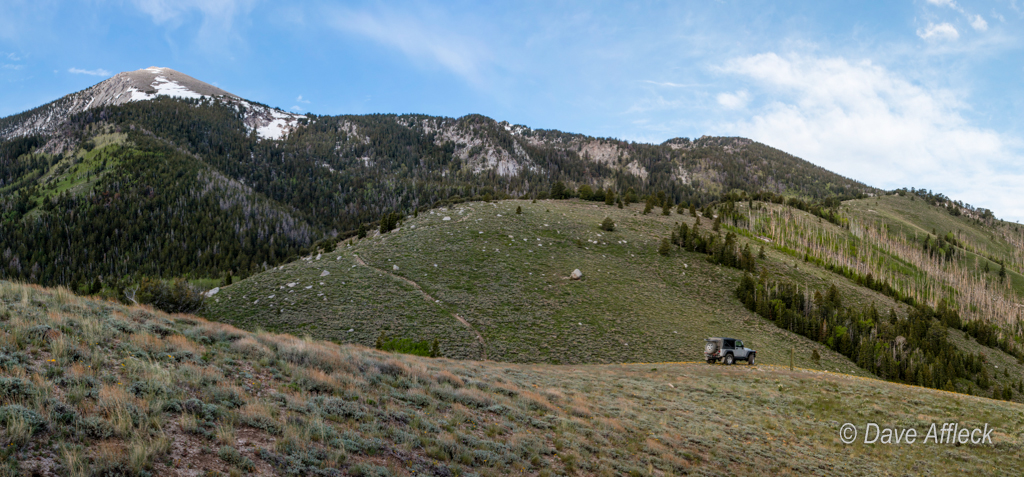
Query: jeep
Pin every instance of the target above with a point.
(728, 350)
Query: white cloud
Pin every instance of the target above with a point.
(96, 72)
(218, 17)
(297, 107)
(299, 99)
(737, 100)
(941, 31)
(417, 39)
(673, 85)
(865, 122)
(943, 3)
(978, 23)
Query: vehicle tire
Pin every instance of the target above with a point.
(728, 359)
(711, 361)
(710, 348)
(750, 359)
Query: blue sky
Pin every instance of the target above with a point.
(918, 93)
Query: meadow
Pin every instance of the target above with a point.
(92, 387)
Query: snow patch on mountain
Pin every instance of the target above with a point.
(144, 85)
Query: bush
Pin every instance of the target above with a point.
(232, 456)
(15, 414)
(407, 346)
(15, 389)
(176, 297)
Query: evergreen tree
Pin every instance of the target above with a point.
(558, 190)
(609, 197)
(608, 224)
(519, 210)
(665, 247)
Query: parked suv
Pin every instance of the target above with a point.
(729, 350)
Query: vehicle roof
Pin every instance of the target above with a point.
(722, 338)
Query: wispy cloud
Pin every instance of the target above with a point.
(976, 21)
(299, 99)
(418, 39)
(674, 85)
(940, 31)
(96, 72)
(865, 121)
(218, 17)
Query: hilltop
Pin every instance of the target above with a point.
(96, 388)
(488, 282)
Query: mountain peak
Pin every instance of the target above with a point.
(141, 85)
(151, 82)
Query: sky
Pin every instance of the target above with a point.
(916, 93)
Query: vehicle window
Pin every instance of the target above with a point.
(739, 344)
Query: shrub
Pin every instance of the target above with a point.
(20, 418)
(176, 297)
(15, 389)
(406, 345)
(232, 456)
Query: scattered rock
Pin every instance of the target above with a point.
(292, 284)
(318, 256)
(325, 272)
(446, 218)
(394, 267)
(212, 292)
(350, 330)
(576, 275)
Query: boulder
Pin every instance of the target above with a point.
(212, 292)
(324, 273)
(576, 275)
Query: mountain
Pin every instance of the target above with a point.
(92, 387)
(152, 173)
(143, 85)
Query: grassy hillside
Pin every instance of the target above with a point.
(490, 283)
(506, 274)
(96, 388)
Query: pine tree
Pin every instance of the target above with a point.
(609, 197)
(693, 210)
(608, 224)
(667, 208)
(519, 210)
(558, 190)
(665, 247)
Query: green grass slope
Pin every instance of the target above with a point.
(506, 275)
(96, 388)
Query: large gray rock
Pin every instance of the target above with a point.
(576, 275)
